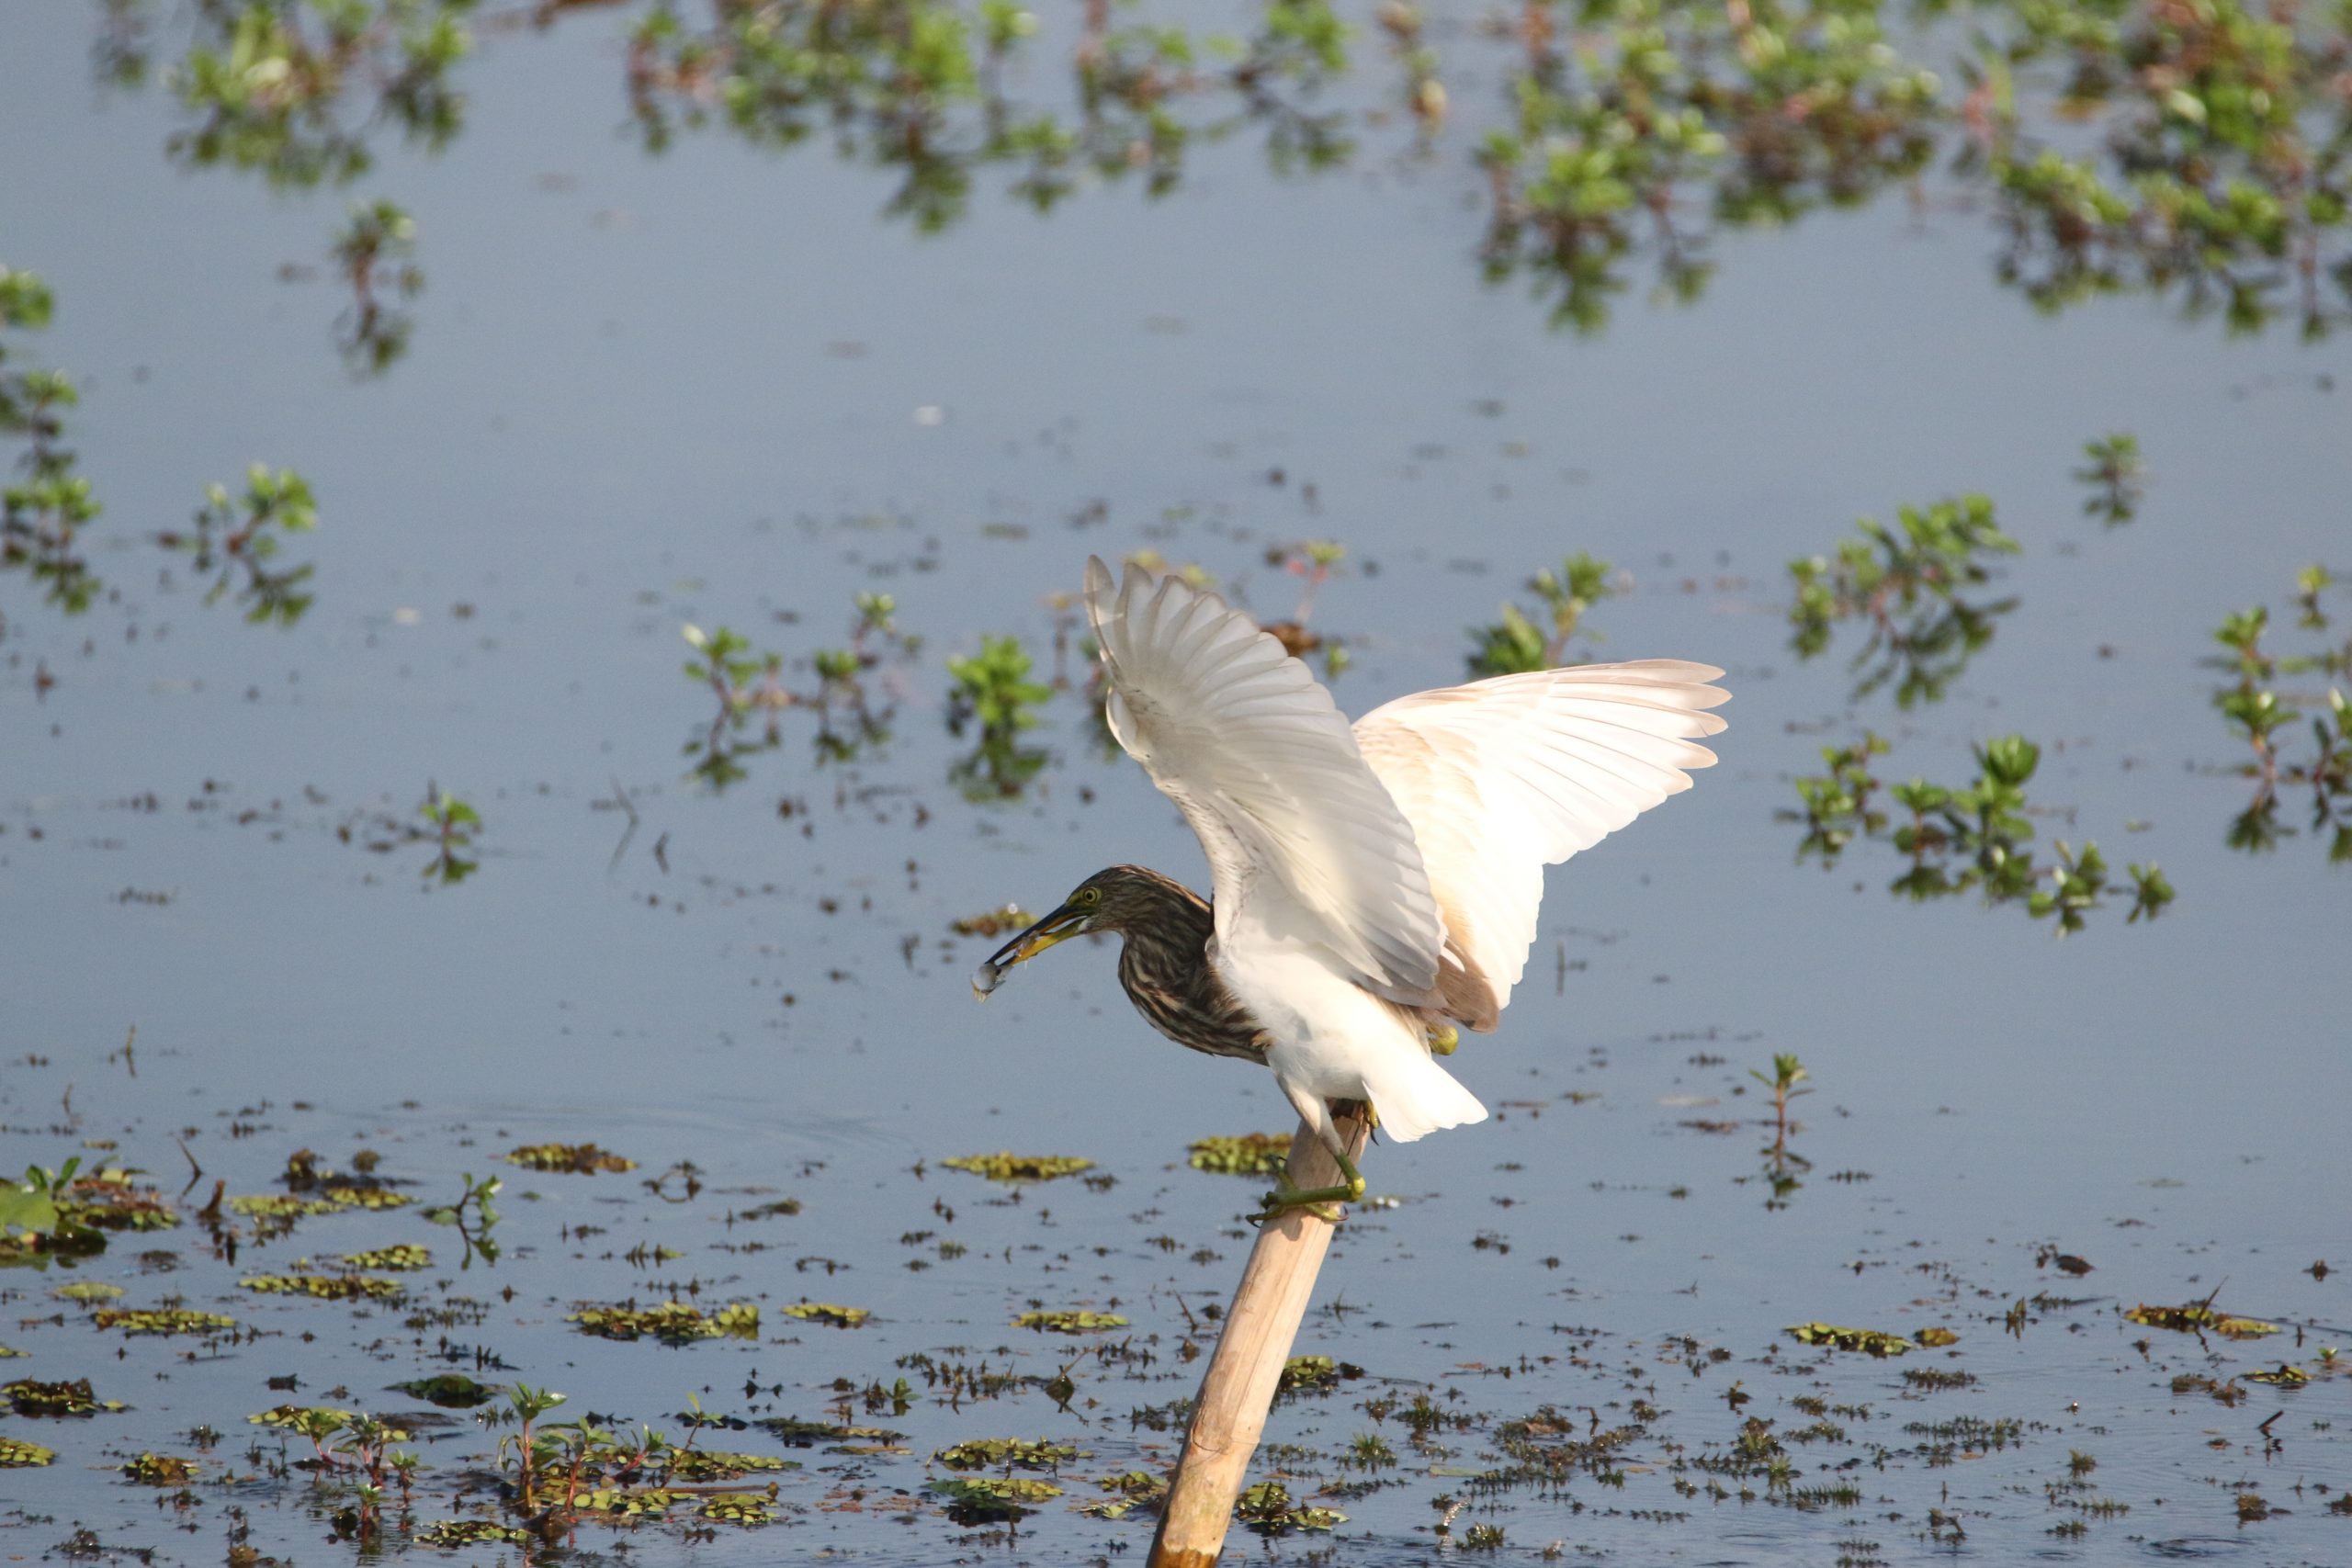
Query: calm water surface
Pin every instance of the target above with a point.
(717, 387)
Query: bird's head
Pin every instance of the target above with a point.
(1117, 899)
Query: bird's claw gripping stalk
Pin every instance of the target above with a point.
(1287, 1196)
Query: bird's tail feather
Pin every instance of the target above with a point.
(1413, 1096)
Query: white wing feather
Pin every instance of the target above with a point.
(1502, 777)
(1250, 747)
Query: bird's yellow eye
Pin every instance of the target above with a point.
(1089, 896)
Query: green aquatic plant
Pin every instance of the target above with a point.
(1251, 1154)
(993, 687)
(326, 1287)
(584, 1160)
(672, 1322)
(15, 1453)
(2268, 717)
(1017, 1453)
(1007, 1167)
(42, 514)
(1906, 584)
(454, 824)
(235, 538)
(376, 254)
(473, 1217)
(827, 1313)
(1974, 838)
(1068, 1321)
(2115, 477)
(1516, 643)
(1868, 1341)
(162, 1320)
(1267, 1508)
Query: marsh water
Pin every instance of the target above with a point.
(725, 386)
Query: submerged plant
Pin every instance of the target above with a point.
(453, 823)
(376, 253)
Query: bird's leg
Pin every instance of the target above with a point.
(1287, 1196)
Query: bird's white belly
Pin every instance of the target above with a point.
(1325, 1029)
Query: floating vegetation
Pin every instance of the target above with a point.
(584, 1160)
(28, 1397)
(15, 1453)
(1516, 644)
(1008, 1166)
(793, 1432)
(987, 1453)
(404, 1257)
(1935, 1339)
(975, 1498)
(473, 1532)
(675, 1323)
(1069, 1321)
(1970, 839)
(2264, 715)
(1250, 1155)
(1905, 586)
(737, 1508)
(1267, 1508)
(88, 1291)
(2199, 1317)
(2114, 475)
(993, 688)
(1314, 1374)
(327, 1201)
(1935, 1379)
(697, 1466)
(1870, 1341)
(112, 1200)
(1130, 1490)
(234, 538)
(451, 1390)
(2282, 1376)
(826, 1313)
(326, 1287)
(996, 923)
(164, 1320)
(160, 1470)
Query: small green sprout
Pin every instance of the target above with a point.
(1516, 643)
(454, 825)
(234, 532)
(1905, 583)
(2114, 475)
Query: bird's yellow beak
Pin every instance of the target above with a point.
(1060, 926)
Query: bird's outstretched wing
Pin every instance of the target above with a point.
(1502, 777)
(1250, 747)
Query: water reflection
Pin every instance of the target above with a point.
(1905, 586)
(2181, 152)
(2271, 720)
(747, 685)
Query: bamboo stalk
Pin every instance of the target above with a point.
(1238, 1388)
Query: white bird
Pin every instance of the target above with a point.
(1374, 886)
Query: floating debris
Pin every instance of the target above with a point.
(1006, 1165)
(1935, 1339)
(160, 1470)
(1069, 1321)
(109, 1200)
(1868, 1340)
(583, 1159)
(8, 1352)
(986, 1454)
(164, 1320)
(451, 1390)
(472, 1532)
(17, 1454)
(27, 1397)
(326, 1287)
(674, 1322)
(827, 1313)
(1252, 1154)
(1266, 1508)
(406, 1258)
(973, 1497)
(2199, 1317)
(2286, 1376)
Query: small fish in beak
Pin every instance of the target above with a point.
(1059, 926)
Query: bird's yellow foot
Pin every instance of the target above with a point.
(1444, 1041)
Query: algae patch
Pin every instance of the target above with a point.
(1252, 1154)
(1069, 1321)
(674, 1322)
(1006, 1165)
(582, 1159)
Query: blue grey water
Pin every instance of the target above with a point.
(719, 387)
